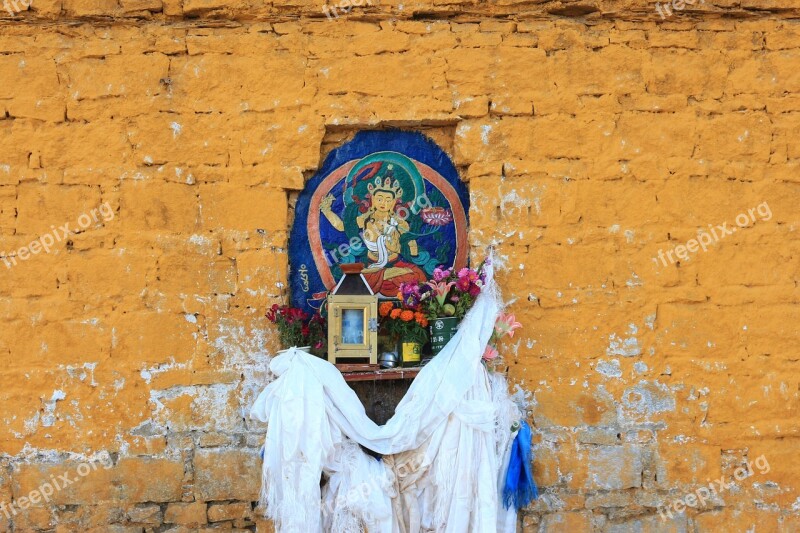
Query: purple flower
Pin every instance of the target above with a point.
(440, 275)
(411, 301)
(409, 289)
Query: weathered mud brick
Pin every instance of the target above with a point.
(590, 145)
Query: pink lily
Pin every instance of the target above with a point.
(441, 290)
(490, 353)
(505, 325)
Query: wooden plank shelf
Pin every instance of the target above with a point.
(375, 373)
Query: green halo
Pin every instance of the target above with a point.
(405, 163)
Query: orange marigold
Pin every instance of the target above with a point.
(407, 316)
(395, 313)
(385, 308)
(422, 321)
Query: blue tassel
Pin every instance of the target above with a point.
(520, 488)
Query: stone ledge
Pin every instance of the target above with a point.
(220, 13)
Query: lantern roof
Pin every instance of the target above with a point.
(352, 282)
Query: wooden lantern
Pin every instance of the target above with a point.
(352, 319)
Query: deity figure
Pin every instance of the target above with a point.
(381, 230)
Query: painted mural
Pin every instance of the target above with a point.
(390, 200)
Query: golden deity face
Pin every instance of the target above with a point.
(383, 201)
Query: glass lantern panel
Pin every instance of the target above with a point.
(353, 326)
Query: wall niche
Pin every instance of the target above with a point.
(392, 200)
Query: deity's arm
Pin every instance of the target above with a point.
(402, 225)
(362, 219)
(332, 217)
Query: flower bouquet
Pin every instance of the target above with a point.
(451, 295)
(405, 326)
(444, 300)
(298, 328)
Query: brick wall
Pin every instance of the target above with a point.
(592, 136)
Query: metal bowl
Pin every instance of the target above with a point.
(389, 360)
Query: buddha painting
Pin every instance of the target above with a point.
(382, 230)
(399, 217)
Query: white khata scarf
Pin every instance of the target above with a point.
(445, 451)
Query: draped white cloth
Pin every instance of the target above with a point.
(445, 451)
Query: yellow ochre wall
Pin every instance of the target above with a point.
(173, 139)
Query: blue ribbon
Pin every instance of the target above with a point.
(520, 488)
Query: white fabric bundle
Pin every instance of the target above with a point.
(445, 450)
